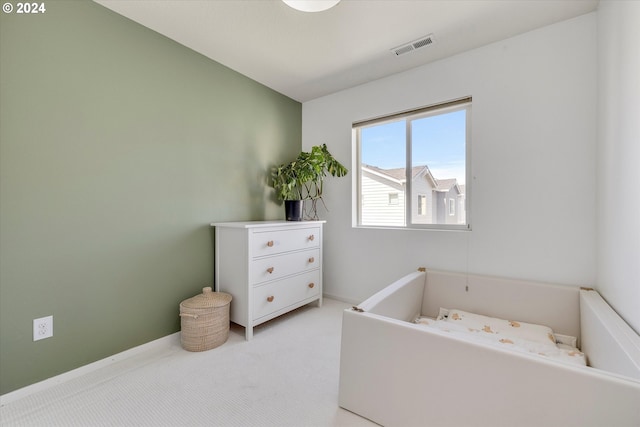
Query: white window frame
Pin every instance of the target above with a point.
(409, 116)
(452, 206)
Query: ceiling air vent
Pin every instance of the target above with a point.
(411, 46)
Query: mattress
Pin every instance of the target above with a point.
(533, 339)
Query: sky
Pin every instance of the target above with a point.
(437, 141)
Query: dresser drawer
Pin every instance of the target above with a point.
(275, 296)
(273, 268)
(271, 242)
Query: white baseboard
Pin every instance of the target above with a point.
(341, 299)
(12, 396)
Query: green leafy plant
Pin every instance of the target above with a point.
(303, 178)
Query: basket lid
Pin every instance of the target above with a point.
(207, 299)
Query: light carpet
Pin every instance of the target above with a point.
(286, 376)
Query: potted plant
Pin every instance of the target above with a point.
(302, 180)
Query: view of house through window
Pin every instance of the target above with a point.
(412, 168)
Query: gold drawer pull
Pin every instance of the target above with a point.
(311, 260)
(312, 237)
(270, 298)
(311, 285)
(270, 270)
(270, 243)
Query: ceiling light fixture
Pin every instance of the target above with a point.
(311, 5)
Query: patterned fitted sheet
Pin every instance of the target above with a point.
(508, 334)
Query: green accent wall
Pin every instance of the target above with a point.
(118, 148)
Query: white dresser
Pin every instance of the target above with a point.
(269, 267)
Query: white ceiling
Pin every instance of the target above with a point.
(308, 55)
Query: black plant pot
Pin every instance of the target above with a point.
(293, 210)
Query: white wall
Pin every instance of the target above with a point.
(618, 268)
(533, 164)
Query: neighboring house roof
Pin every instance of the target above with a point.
(446, 184)
(384, 173)
(398, 175)
(395, 174)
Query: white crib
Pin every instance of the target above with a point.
(397, 373)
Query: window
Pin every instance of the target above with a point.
(418, 161)
(422, 204)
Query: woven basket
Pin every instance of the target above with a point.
(204, 320)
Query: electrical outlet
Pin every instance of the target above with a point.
(42, 328)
